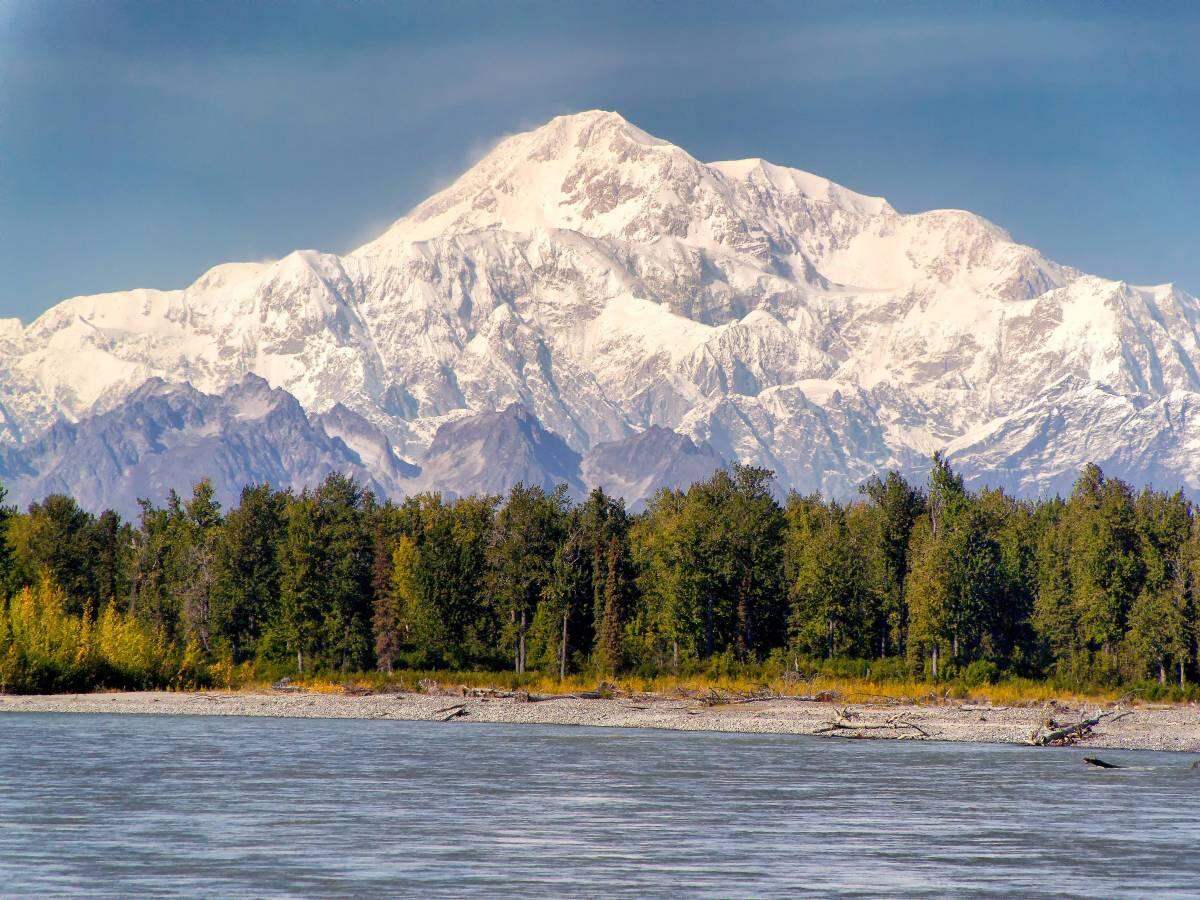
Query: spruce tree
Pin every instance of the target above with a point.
(58, 541)
(159, 566)
(609, 641)
(899, 505)
(346, 511)
(198, 538)
(302, 588)
(245, 594)
(1106, 569)
(1055, 612)
(7, 515)
(112, 543)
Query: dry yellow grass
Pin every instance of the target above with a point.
(845, 689)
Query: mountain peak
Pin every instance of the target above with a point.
(609, 282)
(587, 172)
(598, 174)
(759, 172)
(596, 124)
(589, 117)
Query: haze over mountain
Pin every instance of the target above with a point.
(584, 288)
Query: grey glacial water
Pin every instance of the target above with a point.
(198, 806)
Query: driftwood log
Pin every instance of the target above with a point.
(451, 712)
(730, 698)
(844, 724)
(1062, 735)
(823, 697)
(1101, 764)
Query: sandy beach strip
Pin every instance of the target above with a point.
(1144, 727)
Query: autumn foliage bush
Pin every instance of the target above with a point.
(45, 649)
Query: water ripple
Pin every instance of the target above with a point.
(171, 806)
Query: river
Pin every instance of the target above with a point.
(215, 806)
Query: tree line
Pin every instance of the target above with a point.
(934, 581)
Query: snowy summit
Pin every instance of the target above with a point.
(586, 282)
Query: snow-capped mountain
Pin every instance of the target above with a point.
(637, 467)
(606, 282)
(167, 436)
(489, 452)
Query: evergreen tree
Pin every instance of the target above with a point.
(1159, 628)
(7, 516)
(450, 573)
(112, 542)
(929, 592)
(955, 569)
(346, 511)
(302, 587)
(389, 524)
(58, 541)
(245, 590)
(198, 539)
(1106, 571)
(1159, 633)
(609, 641)
(600, 520)
(325, 586)
(520, 557)
(568, 595)
(899, 506)
(1100, 587)
(1055, 612)
(159, 571)
(756, 524)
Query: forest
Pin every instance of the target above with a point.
(1099, 589)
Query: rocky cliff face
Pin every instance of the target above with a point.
(165, 437)
(606, 282)
(637, 467)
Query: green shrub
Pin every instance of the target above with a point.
(980, 672)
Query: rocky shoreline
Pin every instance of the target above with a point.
(1144, 727)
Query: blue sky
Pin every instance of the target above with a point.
(141, 143)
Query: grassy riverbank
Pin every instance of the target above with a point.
(839, 688)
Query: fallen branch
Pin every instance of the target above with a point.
(823, 697)
(1070, 734)
(578, 695)
(452, 712)
(844, 723)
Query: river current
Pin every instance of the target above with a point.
(215, 806)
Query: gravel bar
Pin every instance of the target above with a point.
(1143, 727)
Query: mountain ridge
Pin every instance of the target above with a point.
(166, 437)
(608, 282)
